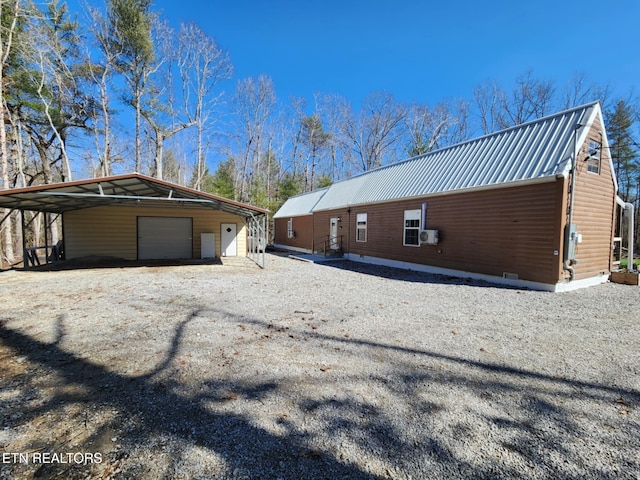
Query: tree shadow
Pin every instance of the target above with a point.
(153, 408)
(533, 416)
(544, 420)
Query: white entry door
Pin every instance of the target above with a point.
(228, 238)
(334, 244)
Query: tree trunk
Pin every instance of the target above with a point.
(105, 163)
(6, 43)
(138, 138)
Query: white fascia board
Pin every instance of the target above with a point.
(595, 115)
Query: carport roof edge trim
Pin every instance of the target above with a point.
(133, 186)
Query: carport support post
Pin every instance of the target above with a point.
(265, 227)
(257, 233)
(46, 236)
(25, 260)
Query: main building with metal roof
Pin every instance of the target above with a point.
(532, 205)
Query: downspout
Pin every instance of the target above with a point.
(348, 232)
(628, 213)
(628, 210)
(566, 265)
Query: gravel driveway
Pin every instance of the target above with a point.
(313, 371)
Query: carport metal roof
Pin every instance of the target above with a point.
(130, 189)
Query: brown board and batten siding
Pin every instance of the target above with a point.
(112, 231)
(492, 232)
(594, 211)
(500, 203)
(303, 232)
(321, 229)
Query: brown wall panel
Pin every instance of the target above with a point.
(594, 210)
(321, 226)
(303, 228)
(512, 230)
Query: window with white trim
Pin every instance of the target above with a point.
(593, 159)
(411, 227)
(361, 227)
(290, 232)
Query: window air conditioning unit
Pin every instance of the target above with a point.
(429, 237)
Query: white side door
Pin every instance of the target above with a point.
(228, 239)
(333, 234)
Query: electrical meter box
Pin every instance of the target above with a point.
(571, 237)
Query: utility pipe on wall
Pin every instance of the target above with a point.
(628, 210)
(423, 224)
(567, 261)
(628, 214)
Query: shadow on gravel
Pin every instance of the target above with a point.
(248, 451)
(147, 406)
(100, 262)
(413, 276)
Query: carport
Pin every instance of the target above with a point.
(135, 217)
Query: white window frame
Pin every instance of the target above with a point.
(593, 160)
(361, 227)
(290, 232)
(411, 216)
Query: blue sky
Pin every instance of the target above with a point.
(420, 51)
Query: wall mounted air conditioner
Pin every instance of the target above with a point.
(429, 237)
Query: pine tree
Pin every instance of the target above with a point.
(221, 183)
(130, 23)
(624, 155)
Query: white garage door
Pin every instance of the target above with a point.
(164, 237)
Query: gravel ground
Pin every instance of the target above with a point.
(314, 371)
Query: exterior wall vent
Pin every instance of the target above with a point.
(510, 276)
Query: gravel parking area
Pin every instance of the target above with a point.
(313, 371)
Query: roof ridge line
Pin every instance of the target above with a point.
(477, 139)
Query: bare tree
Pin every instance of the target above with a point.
(53, 79)
(489, 98)
(334, 109)
(374, 134)
(294, 136)
(9, 13)
(579, 90)
(159, 109)
(102, 73)
(202, 64)
(430, 128)
(315, 139)
(255, 102)
(531, 98)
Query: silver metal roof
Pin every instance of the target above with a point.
(534, 151)
(130, 189)
(301, 204)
